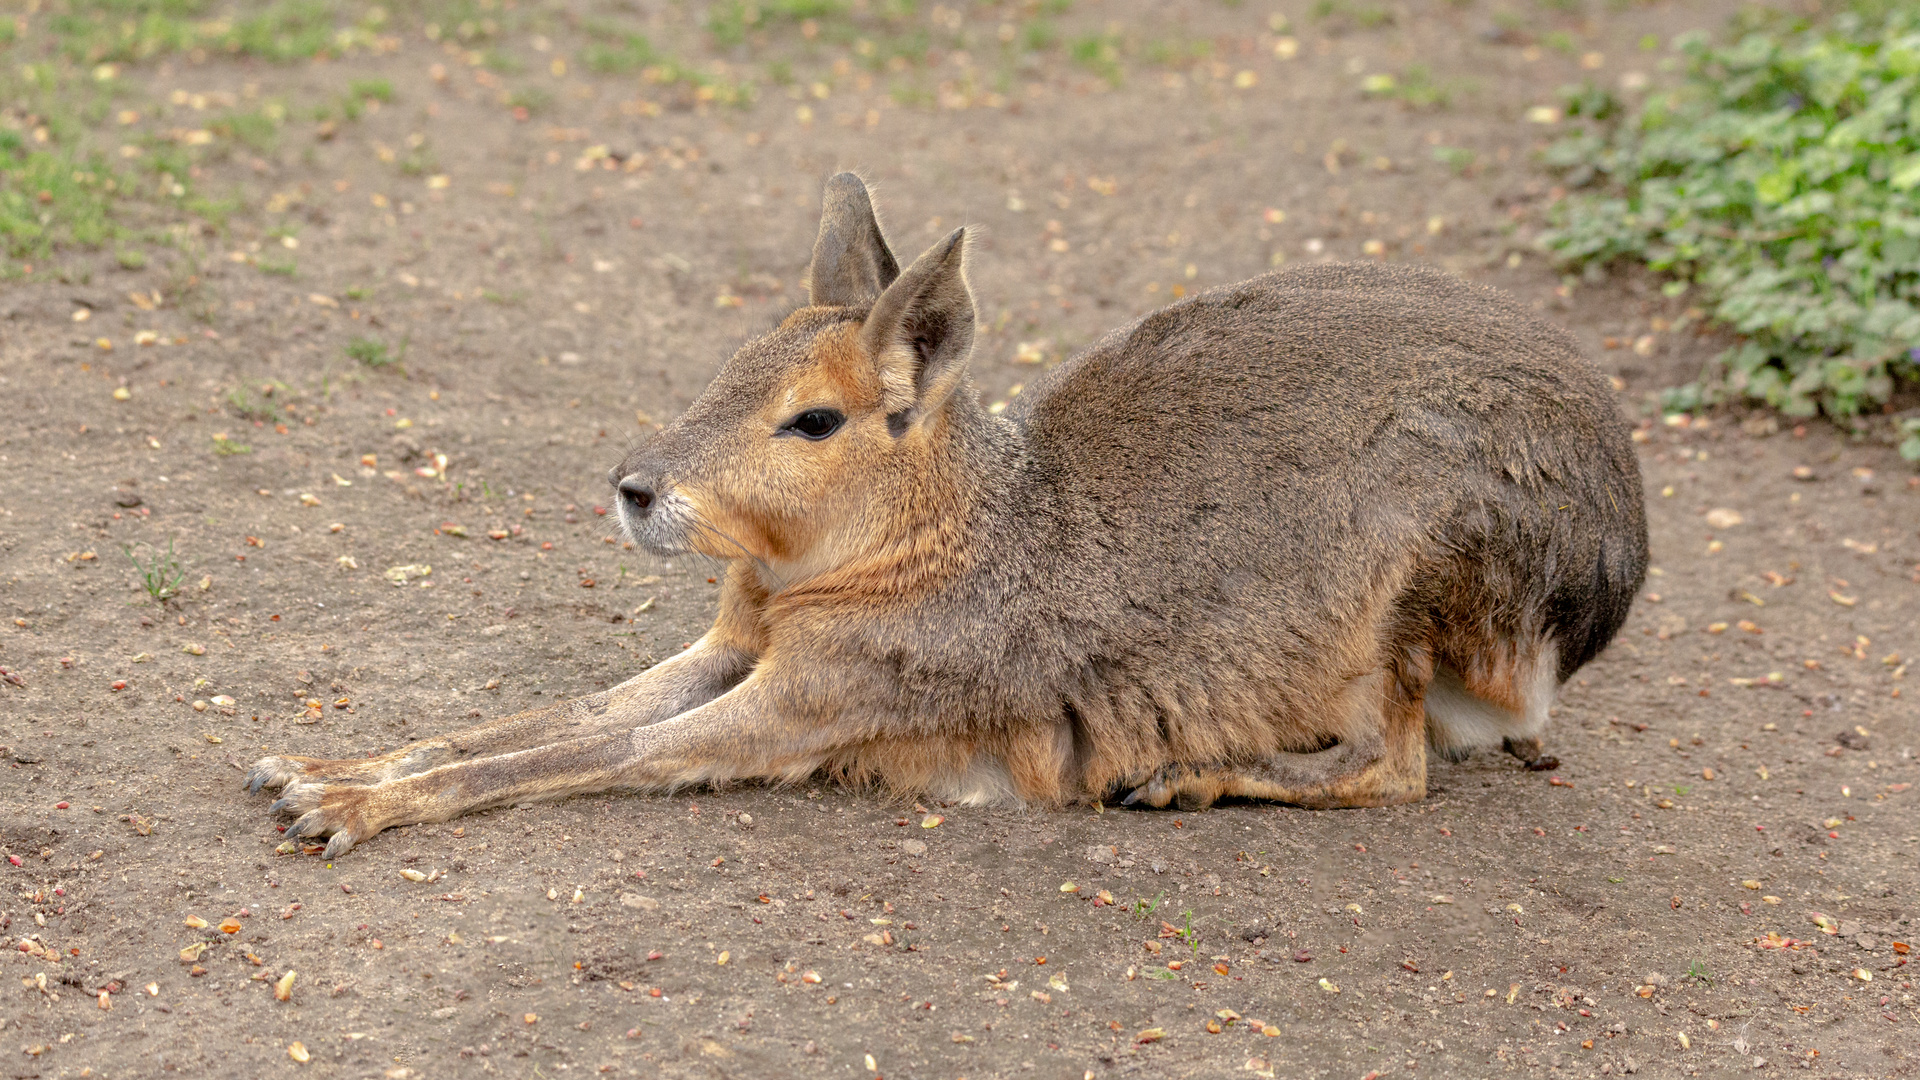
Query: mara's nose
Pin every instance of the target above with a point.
(637, 494)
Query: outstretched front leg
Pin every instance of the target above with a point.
(750, 731)
(684, 681)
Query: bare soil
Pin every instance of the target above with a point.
(1739, 762)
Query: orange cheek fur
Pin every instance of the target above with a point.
(788, 511)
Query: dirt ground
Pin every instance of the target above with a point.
(1720, 877)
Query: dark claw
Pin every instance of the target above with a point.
(1133, 796)
(279, 805)
(1543, 763)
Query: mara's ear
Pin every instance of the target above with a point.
(920, 331)
(851, 262)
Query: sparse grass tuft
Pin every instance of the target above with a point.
(371, 89)
(129, 31)
(1461, 160)
(731, 20)
(1100, 54)
(1414, 88)
(51, 197)
(618, 53)
(160, 574)
(1342, 15)
(374, 354)
(255, 130)
(248, 407)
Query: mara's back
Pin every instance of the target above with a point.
(1253, 495)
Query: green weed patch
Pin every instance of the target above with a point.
(1782, 181)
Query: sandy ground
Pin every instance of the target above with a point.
(1736, 770)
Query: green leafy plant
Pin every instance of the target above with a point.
(225, 446)
(160, 574)
(1910, 441)
(1783, 180)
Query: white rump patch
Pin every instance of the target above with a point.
(1458, 722)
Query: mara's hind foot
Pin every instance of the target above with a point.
(1340, 777)
(1185, 787)
(1530, 753)
(1382, 762)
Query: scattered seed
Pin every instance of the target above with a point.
(298, 1052)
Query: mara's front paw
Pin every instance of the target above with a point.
(339, 811)
(276, 772)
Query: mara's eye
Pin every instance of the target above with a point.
(815, 423)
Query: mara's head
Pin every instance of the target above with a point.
(801, 451)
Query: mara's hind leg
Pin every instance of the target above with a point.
(1380, 761)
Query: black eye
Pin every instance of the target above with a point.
(815, 423)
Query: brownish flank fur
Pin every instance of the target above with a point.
(1280, 540)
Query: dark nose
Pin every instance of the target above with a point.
(637, 494)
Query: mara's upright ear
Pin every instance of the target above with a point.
(851, 261)
(920, 331)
